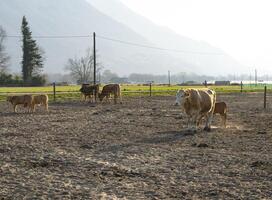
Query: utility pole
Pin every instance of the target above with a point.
(256, 79)
(169, 79)
(94, 55)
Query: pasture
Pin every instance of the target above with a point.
(135, 150)
(64, 93)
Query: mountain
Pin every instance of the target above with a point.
(167, 38)
(109, 19)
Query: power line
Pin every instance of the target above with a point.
(53, 37)
(119, 41)
(157, 48)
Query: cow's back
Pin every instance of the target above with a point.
(110, 88)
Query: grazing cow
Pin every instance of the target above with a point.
(41, 99)
(197, 103)
(25, 100)
(111, 89)
(221, 108)
(89, 90)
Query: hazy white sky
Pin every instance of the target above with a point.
(242, 28)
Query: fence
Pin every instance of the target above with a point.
(66, 93)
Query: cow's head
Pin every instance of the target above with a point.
(181, 96)
(9, 99)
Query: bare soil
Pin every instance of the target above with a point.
(135, 150)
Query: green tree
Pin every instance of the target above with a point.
(32, 63)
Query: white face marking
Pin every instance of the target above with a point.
(179, 97)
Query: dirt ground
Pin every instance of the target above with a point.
(135, 150)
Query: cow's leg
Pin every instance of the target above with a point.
(115, 98)
(224, 119)
(32, 106)
(189, 122)
(29, 108)
(199, 119)
(108, 98)
(14, 108)
(208, 121)
(194, 122)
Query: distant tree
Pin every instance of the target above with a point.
(32, 62)
(81, 69)
(4, 58)
(107, 75)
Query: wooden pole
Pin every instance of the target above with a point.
(94, 56)
(54, 91)
(265, 90)
(150, 89)
(241, 86)
(169, 79)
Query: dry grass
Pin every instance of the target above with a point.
(135, 150)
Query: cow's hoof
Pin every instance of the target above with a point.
(208, 129)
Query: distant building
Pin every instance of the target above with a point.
(222, 83)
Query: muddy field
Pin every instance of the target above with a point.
(137, 150)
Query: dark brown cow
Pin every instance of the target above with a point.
(113, 89)
(221, 108)
(90, 91)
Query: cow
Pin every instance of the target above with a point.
(221, 108)
(109, 89)
(25, 100)
(89, 90)
(197, 103)
(41, 99)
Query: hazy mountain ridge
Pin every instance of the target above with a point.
(77, 17)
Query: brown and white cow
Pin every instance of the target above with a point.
(221, 108)
(90, 91)
(197, 103)
(109, 89)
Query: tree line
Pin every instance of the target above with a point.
(31, 64)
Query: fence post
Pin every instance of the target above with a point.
(241, 86)
(54, 91)
(265, 97)
(150, 88)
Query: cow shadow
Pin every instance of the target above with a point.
(167, 137)
(74, 104)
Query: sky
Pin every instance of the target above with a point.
(242, 28)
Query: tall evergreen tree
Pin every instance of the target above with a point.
(32, 62)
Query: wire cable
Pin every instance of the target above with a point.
(120, 41)
(157, 48)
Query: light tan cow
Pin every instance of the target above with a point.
(25, 100)
(113, 89)
(41, 99)
(221, 108)
(197, 103)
